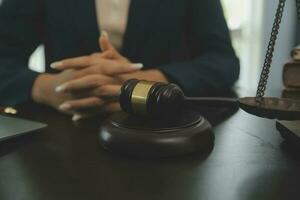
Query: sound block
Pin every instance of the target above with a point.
(186, 133)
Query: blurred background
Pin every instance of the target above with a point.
(250, 22)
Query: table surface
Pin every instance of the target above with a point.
(249, 161)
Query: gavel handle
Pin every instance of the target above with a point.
(212, 101)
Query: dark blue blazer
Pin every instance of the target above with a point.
(186, 39)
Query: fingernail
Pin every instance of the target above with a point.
(137, 66)
(56, 65)
(104, 34)
(76, 117)
(60, 88)
(65, 106)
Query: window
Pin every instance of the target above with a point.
(246, 35)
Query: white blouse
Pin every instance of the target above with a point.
(112, 16)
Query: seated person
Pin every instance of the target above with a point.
(182, 41)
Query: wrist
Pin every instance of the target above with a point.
(40, 88)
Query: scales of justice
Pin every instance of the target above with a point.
(155, 122)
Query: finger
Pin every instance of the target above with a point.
(92, 70)
(108, 55)
(106, 109)
(107, 91)
(114, 55)
(67, 112)
(88, 112)
(77, 62)
(108, 67)
(106, 46)
(81, 104)
(77, 117)
(112, 108)
(111, 67)
(84, 83)
(84, 115)
(104, 42)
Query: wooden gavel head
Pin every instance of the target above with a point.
(153, 99)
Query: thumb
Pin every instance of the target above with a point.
(105, 43)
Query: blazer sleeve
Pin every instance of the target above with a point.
(20, 34)
(214, 66)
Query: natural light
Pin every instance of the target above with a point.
(246, 35)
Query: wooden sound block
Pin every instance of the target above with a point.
(187, 133)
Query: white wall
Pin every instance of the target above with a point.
(286, 39)
(250, 48)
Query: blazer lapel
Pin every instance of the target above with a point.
(84, 16)
(138, 26)
(137, 31)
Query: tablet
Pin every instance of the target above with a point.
(13, 127)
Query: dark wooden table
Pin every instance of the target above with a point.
(249, 161)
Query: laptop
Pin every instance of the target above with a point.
(13, 127)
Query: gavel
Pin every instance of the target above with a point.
(156, 124)
(159, 124)
(146, 98)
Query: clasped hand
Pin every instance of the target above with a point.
(93, 81)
